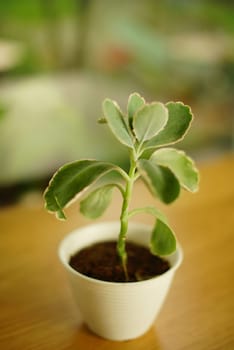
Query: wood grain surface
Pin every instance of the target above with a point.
(37, 310)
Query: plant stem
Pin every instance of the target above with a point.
(121, 246)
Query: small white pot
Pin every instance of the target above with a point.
(116, 311)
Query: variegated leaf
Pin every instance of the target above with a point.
(161, 181)
(180, 164)
(149, 121)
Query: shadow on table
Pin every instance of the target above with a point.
(84, 338)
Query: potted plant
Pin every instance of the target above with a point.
(119, 299)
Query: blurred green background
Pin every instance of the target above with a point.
(60, 58)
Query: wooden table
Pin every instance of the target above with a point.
(36, 307)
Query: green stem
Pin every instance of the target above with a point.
(121, 246)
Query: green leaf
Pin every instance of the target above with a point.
(149, 121)
(135, 102)
(117, 123)
(71, 180)
(163, 241)
(180, 164)
(96, 202)
(149, 210)
(160, 180)
(179, 120)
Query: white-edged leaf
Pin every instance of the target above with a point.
(149, 210)
(179, 121)
(163, 241)
(160, 180)
(135, 102)
(149, 121)
(71, 180)
(117, 123)
(180, 164)
(96, 202)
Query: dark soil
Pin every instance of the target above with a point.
(101, 261)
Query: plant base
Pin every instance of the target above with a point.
(102, 262)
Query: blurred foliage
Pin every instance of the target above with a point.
(2, 112)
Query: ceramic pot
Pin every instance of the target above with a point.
(116, 311)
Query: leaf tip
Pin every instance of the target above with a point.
(60, 215)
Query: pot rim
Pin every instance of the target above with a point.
(65, 262)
